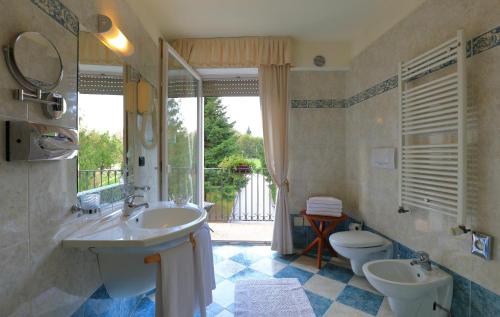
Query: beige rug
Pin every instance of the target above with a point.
(282, 297)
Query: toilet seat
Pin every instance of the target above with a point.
(357, 239)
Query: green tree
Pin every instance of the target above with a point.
(221, 182)
(99, 150)
(220, 136)
(251, 146)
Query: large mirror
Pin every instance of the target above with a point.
(117, 123)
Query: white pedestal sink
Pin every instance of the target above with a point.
(122, 243)
(411, 290)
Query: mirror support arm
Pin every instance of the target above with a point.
(55, 105)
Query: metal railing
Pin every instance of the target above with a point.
(239, 195)
(90, 179)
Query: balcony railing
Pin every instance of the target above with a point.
(90, 179)
(239, 195)
(236, 195)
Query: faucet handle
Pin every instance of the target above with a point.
(422, 255)
(130, 198)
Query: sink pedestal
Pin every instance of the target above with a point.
(126, 275)
(423, 306)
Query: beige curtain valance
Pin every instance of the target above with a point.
(235, 52)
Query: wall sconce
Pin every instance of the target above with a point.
(113, 37)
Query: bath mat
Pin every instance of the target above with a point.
(282, 297)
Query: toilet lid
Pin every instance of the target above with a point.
(356, 239)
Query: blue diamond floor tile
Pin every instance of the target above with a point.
(214, 309)
(249, 274)
(293, 272)
(319, 303)
(360, 299)
(246, 258)
(146, 308)
(337, 273)
(287, 259)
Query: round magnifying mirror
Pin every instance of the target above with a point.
(37, 61)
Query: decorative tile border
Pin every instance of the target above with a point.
(62, 15)
(317, 103)
(477, 45)
(484, 42)
(373, 91)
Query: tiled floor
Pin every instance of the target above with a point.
(332, 290)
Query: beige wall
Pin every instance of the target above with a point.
(371, 194)
(337, 55)
(316, 138)
(38, 277)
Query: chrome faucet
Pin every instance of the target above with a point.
(423, 259)
(129, 207)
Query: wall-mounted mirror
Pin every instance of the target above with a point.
(101, 123)
(117, 116)
(35, 63)
(38, 60)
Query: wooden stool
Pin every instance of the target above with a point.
(322, 232)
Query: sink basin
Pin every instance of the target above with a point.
(164, 218)
(151, 227)
(121, 243)
(410, 289)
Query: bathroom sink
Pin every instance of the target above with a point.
(411, 290)
(121, 243)
(163, 218)
(161, 223)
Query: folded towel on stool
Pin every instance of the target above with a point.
(324, 206)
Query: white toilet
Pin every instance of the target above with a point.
(361, 247)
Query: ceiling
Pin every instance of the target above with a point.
(353, 23)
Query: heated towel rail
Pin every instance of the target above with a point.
(432, 171)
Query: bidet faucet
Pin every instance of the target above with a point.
(129, 206)
(423, 259)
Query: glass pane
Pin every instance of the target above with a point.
(182, 134)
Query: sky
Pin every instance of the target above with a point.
(246, 112)
(104, 113)
(101, 113)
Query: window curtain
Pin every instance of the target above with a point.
(272, 56)
(273, 86)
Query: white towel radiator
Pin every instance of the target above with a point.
(432, 171)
